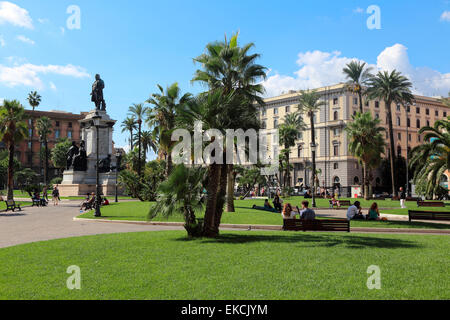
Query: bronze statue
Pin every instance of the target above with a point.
(104, 165)
(73, 151)
(97, 93)
(80, 161)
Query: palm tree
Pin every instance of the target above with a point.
(390, 87)
(366, 143)
(138, 110)
(148, 143)
(289, 130)
(34, 99)
(431, 160)
(162, 118)
(309, 103)
(358, 74)
(44, 129)
(129, 125)
(13, 129)
(228, 66)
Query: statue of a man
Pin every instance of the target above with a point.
(73, 151)
(80, 161)
(97, 93)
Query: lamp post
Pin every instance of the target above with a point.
(313, 150)
(118, 158)
(96, 122)
(407, 150)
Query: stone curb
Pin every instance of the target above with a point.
(274, 228)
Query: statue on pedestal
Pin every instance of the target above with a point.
(80, 161)
(97, 93)
(73, 151)
(104, 165)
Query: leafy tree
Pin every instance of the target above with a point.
(44, 129)
(13, 129)
(25, 177)
(390, 87)
(249, 178)
(432, 159)
(182, 193)
(4, 162)
(59, 154)
(366, 143)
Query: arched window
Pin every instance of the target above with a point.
(275, 124)
(399, 123)
(335, 116)
(336, 180)
(356, 180)
(399, 151)
(378, 181)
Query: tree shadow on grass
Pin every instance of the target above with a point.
(312, 240)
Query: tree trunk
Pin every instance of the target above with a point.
(221, 196)
(11, 172)
(139, 150)
(365, 185)
(391, 147)
(362, 169)
(230, 188)
(211, 202)
(131, 140)
(46, 163)
(169, 164)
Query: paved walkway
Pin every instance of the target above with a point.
(40, 224)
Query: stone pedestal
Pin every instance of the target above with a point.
(79, 183)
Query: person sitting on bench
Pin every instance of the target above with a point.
(289, 213)
(89, 203)
(354, 212)
(307, 213)
(334, 202)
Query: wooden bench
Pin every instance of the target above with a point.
(338, 225)
(436, 204)
(428, 215)
(36, 202)
(12, 205)
(342, 203)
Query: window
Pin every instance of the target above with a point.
(399, 151)
(70, 124)
(436, 113)
(335, 116)
(288, 108)
(418, 110)
(355, 101)
(409, 123)
(335, 101)
(336, 166)
(69, 134)
(418, 123)
(377, 116)
(445, 114)
(354, 113)
(356, 180)
(408, 109)
(399, 135)
(367, 103)
(29, 145)
(275, 124)
(399, 123)
(57, 124)
(398, 107)
(409, 137)
(428, 123)
(300, 136)
(378, 181)
(336, 132)
(419, 138)
(30, 132)
(299, 151)
(336, 150)
(336, 180)
(275, 110)
(377, 104)
(57, 134)
(264, 112)
(427, 112)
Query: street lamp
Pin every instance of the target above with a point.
(313, 150)
(118, 158)
(96, 122)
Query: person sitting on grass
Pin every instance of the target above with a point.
(307, 213)
(374, 213)
(105, 202)
(289, 213)
(354, 212)
(267, 207)
(277, 203)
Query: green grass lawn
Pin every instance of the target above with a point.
(22, 204)
(137, 211)
(237, 265)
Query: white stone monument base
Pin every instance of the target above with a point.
(76, 190)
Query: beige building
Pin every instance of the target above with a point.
(338, 167)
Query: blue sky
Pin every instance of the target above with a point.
(135, 45)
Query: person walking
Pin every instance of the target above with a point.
(402, 198)
(55, 196)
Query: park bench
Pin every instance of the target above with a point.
(436, 204)
(342, 225)
(428, 215)
(343, 203)
(36, 202)
(12, 205)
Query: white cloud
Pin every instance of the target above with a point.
(29, 74)
(15, 15)
(43, 21)
(445, 16)
(52, 86)
(318, 69)
(63, 31)
(25, 39)
(2, 41)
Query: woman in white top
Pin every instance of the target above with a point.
(288, 213)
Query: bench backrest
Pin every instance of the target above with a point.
(317, 225)
(428, 215)
(10, 202)
(430, 204)
(343, 202)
